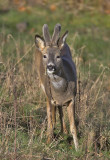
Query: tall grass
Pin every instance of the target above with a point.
(23, 120)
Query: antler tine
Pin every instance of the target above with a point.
(56, 33)
(46, 35)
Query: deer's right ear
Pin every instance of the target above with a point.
(39, 42)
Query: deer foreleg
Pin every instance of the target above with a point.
(50, 124)
(63, 126)
(54, 116)
(71, 116)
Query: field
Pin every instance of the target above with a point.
(23, 120)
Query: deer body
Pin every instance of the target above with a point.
(57, 74)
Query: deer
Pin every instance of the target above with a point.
(58, 79)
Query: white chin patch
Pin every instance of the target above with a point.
(50, 72)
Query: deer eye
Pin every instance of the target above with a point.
(44, 56)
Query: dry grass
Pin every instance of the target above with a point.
(23, 113)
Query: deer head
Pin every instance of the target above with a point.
(50, 49)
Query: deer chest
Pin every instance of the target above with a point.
(63, 94)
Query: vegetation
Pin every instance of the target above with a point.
(23, 118)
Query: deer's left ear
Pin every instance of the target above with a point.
(40, 43)
(62, 40)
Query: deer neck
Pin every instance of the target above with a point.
(58, 81)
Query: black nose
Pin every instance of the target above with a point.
(51, 67)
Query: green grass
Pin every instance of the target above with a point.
(88, 30)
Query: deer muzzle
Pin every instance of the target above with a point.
(51, 68)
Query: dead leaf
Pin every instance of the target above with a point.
(107, 11)
(53, 7)
(22, 9)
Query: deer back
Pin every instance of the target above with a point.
(68, 63)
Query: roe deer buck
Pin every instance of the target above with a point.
(57, 74)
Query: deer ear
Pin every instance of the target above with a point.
(40, 43)
(62, 40)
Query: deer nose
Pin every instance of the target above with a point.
(51, 67)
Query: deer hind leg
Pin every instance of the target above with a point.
(63, 126)
(54, 116)
(50, 124)
(71, 116)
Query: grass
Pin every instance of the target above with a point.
(22, 104)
